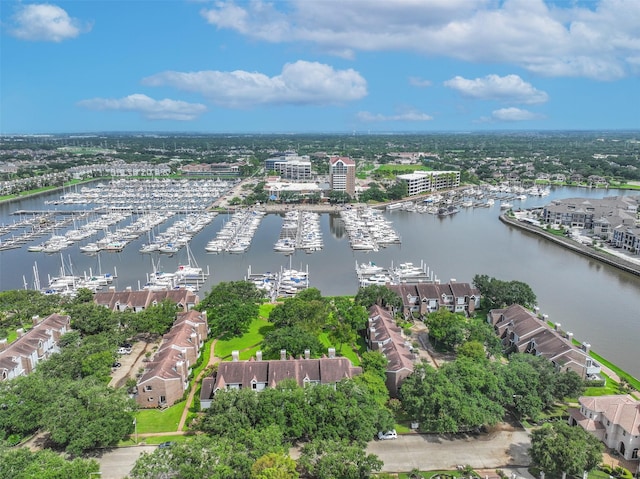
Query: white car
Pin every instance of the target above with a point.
(387, 435)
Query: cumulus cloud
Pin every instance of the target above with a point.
(510, 88)
(148, 107)
(408, 115)
(590, 39)
(45, 22)
(419, 82)
(511, 114)
(299, 83)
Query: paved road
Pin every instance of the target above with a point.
(117, 463)
(502, 449)
(429, 452)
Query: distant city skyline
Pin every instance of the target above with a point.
(295, 66)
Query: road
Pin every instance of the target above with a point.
(501, 449)
(429, 452)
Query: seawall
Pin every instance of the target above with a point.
(571, 245)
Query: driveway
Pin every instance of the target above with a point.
(429, 452)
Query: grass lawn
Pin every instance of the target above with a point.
(155, 420)
(611, 387)
(345, 350)
(633, 382)
(251, 340)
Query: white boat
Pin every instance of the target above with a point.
(505, 206)
(368, 268)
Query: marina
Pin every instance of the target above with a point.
(284, 283)
(370, 273)
(471, 242)
(300, 230)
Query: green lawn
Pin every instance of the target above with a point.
(611, 387)
(249, 341)
(345, 350)
(635, 383)
(155, 420)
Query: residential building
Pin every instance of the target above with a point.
(592, 213)
(137, 301)
(218, 170)
(166, 377)
(385, 336)
(342, 174)
(420, 299)
(288, 166)
(615, 420)
(23, 355)
(521, 331)
(259, 375)
(420, 182)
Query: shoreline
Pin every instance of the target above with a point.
(603, 257)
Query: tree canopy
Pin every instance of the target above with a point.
(497, 293)
(231, 307)
(557, 448)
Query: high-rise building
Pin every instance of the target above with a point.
(342, 174)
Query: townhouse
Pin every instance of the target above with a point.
(521, 331)
(258, 374)
(23, 355)
(420, 299)
(166, 377)
(137, 301)
(385, 336)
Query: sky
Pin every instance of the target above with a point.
(297, 66)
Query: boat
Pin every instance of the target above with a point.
(506, 205)
(368, 268)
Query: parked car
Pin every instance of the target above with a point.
(166, 445)
(387, 435)
(124, 350)
(116, 365)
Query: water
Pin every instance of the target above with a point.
(599, 304)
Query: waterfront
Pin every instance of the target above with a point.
(599, 304)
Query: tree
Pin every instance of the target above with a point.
(557, 448)
(322, 459)
(375, 362)
(274, 466)
(308, 314)
(473, 350)
(447, 329)
(378, 294)
(294, 339)
(22, 463)
(231, 307)
(497, 293)
(86, 414)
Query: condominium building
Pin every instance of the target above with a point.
(420, 182)
(342, 174)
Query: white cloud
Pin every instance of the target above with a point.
(419, 82)
(512, 114)
(408, 115)
(45, 22)
(591, 39)
(148, 107)
(510, 88)
(299, 83)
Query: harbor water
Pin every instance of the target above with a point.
(599, 304)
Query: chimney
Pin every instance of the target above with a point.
(586, 347)
(332, 353)
(235, 356)
(545, 317)
(283, 354)
(20, 332)
(259, 355)
(35, 319)
(570, 337)
(3, 344)
(557, 326)
(307, 354)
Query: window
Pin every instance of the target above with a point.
(150, 399)
(148, 388)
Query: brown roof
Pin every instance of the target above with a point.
(396, 351)
(271, 372)
(144, 298)
(345, 159)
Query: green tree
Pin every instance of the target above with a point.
(375, 362)
(330, 459)
(497, 293)
(274, 466)
(22, 463)
(557, 448)
(86, 414)
(473, 350)
(447, 329)
(231, 307)
(294, 339)
(378, 294)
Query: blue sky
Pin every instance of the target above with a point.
(319, 65)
